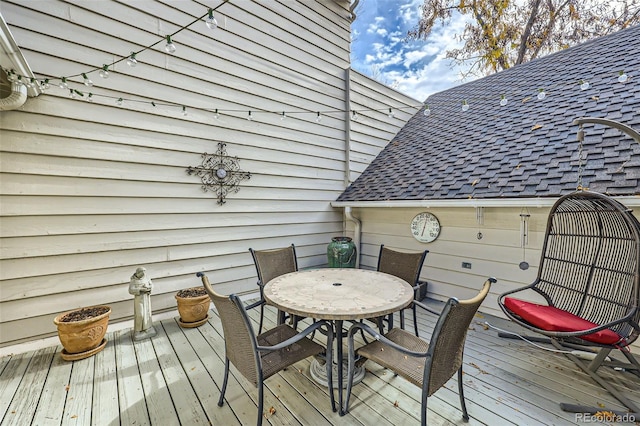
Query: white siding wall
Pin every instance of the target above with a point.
(497, 254)
(373, 128)
(91, 191)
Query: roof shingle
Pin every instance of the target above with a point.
(527, 148)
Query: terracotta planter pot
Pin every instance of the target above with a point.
(82, 338)
(193, 310)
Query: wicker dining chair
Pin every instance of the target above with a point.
(428, 365)
(589, 279)
(270, 264)
(405, 265)
(258, 357)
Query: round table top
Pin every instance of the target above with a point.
(338, 293)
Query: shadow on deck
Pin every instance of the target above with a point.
(175, 378)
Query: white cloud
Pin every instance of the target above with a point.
(417, 67)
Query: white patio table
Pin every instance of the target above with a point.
(336, 295)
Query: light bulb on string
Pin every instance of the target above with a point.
(584, 85)
(211, 22)
(63, 83)
(250, 117)
(131, 60)
(283, 115)
(119, 102)
(170, 47)
(31, 82)
(354, 115)
(427, 110)
(318, 117)
(541, 94)
(87, 80)
(622, 77)
(184, 111)
(90, 97)
(11, 76)
(104, 72)
(45, 84)
(390, 113)
(216, 115)
(465, 105)
(72, 94)
(19, 80)
(503, 100)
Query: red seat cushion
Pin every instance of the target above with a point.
(550, 318)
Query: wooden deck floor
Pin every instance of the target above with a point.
(175, 377)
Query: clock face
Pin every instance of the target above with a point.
(425, 227)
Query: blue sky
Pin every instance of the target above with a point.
(416, 68)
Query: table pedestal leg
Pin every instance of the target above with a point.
(319, 374)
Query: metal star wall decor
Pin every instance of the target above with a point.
(219, 173)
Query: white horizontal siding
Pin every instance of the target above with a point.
(90, 191)
(373, 129)
(498, 254)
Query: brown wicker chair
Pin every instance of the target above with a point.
(259, 357)
(427, 365)
(589, 276)
(405, 265)
(271, 264)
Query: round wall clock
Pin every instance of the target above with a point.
(425, 227)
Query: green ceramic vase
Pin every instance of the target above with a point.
(341, 253)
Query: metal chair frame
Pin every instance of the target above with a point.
(405, 265)
(272, 263)
(443, 355)
(590, 267)
(249, 359)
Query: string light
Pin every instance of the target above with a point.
(211, 22)
(622, 77)
(318, 117)
(131, 60)
(390, 113)
(63, 83)
(250, 117)
(541, 94)
(216, 115)
(465, 105)
(71, 94)
(354, 115)
(503, 100)
(45, 84)
(119, 102)
(87, 80)
(427, 110)
(104, 72)
(584, 85)
(283, 115)
(184, 111)
(90, 97)
(170, 47)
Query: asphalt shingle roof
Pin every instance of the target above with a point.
(527, 148)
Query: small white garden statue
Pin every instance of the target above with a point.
(140, 286)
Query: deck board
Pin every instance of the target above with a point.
(105, 408)
(77, 409)
(54, 395)
(175, 379)
(132, 403)
(28, 393)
